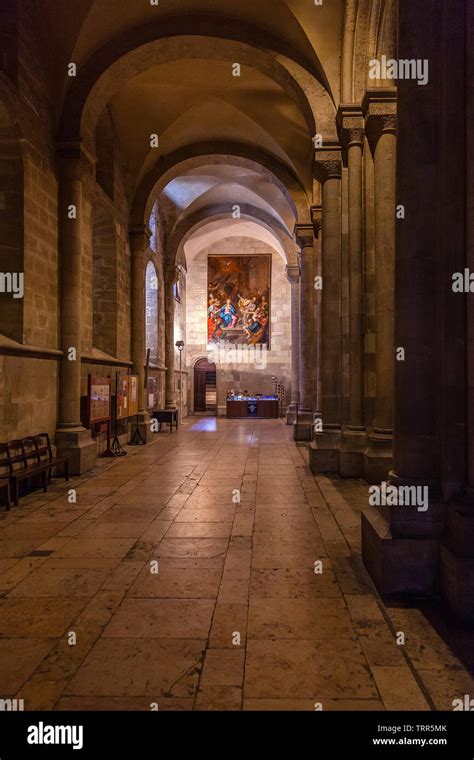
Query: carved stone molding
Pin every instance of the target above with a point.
(350, 125)
(139, 238)
(328, 162)
(304, 235)
(380, 112)
(293, 274)
(317, 219)
(75, 162)
(172, 275)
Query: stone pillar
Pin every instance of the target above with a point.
(457, 364)
(380, 109)
(324, 448)
(72, 439)
(316, 217)
(171, 276)
(303, 425)
(405, 548)
(139, 243)
(351, 132)
(293, 274)
(369, 288)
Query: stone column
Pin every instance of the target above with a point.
(171, 276)
(139, 243)
(456, 233)
(403, 545)
(293, 274)
(303, 425)
(380, 109)
(316, 217)
(75, 167)
(324, 448)
(351, 132)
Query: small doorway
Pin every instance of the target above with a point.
(205, 387)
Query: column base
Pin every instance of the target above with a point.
(457, 562)
(144, 428)
(79, 445)
(303, 426)
(377, 458)
(291, 414)
(324, 452)
(351, 454)
(422, 522)
(398, 566)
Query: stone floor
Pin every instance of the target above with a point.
(260, 605)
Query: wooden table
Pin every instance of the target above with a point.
(168, 416)
(267, 409)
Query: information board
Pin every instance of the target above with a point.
(99, 399)
(133, 395)
(152, 392)
(122, 396)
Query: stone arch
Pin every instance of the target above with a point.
(387, 31)
(233, 154)
(12, 261)
(188, 225)
(348, 43)
(375, 34)
(191, 36)
(152, 311)
(104, 282)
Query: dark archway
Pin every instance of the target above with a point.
(205, 387)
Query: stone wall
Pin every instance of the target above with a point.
(28, 388)
(28, 230)
(250, 373)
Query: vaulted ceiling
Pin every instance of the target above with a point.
(167, 70)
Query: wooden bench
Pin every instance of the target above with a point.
(45, 454)
(30, 457)
(5, 488)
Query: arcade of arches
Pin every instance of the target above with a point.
(137, 142)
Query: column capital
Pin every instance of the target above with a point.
(379, 107)
(172, 274)
(304, 234)
(139, 237)
(328, 162)
(293, 274)
(317, 219)
(350, 125)
(75, 162)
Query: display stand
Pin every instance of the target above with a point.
(98, 408)
(137, 439)
(120, 407)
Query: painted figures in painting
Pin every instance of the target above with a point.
(238, 306)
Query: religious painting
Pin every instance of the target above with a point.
(238, 307)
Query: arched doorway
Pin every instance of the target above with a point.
(205, 387)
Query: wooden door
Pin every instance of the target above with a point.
(204, 384)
